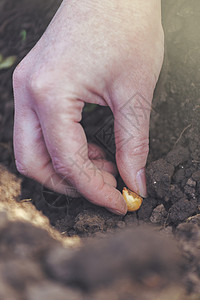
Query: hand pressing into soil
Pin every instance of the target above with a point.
(106, 52)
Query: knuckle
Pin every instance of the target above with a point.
(43, 88)
(39, 86)
(36, 84)
(60, 168)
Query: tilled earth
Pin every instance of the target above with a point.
(61, 248)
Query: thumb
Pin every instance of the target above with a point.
(132, 140)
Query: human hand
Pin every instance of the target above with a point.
(101, 52)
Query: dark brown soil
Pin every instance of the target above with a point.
(151, 254)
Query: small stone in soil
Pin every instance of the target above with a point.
(196, 175)
(159, 215)
(191, 182)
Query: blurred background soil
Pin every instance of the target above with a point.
(62, 248)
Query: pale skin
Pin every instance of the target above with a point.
(102, 52)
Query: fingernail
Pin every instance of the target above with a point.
(141, 182)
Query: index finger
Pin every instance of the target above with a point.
(67, 145)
